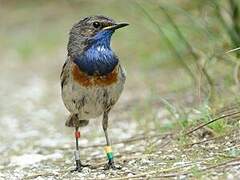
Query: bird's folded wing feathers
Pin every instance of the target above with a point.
(64, 73)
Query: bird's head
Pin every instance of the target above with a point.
(92, 31)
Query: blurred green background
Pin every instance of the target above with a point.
(180, 72)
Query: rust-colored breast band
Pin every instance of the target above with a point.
(85, 80)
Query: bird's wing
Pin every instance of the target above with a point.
(64, 74)
(123, 72)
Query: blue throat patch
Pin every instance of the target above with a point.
(98, 58)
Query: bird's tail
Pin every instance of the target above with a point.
(73, 121)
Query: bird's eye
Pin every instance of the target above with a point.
(96, 24)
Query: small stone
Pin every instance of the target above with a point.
(131, 162)
(145, 161)
(39, 178)
(230, 177)
(130, 174)
(86, 170)
(101, 176)
(170, 157)
(68, 161)
(124, 169)
(182, 177)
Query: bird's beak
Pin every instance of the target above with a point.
(116, 26)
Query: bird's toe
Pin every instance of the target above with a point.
(77, 169)
(111, 165)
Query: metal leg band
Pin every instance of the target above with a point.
(77, 155)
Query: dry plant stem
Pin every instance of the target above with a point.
(43, 174)
(172, 175)
(149, 173)
(233, 162)
(206, 140)
(209, 122)
(236, 74)
(122, 159)
(233, 50)
(224, 164)
(228, 108)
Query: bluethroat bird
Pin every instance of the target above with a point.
(92, 78)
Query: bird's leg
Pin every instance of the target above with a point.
(108, 148)
(79, 165)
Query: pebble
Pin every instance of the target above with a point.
(132, 162)
(170, 157)
(130, 174)
(145, 161)
(101, 176)
(230, 177)
(86, 170)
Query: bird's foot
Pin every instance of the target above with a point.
(79, 166)
(111, 165)
(78, 169)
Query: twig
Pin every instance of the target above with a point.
(122, 159)
(172, 175)
(236, 73)
(224, 164)
(203, 141)
(148, 173)
(40, 174)
(209, 122)
(232, 50)
(231, 107)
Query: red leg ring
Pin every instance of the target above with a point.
(77, 134)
